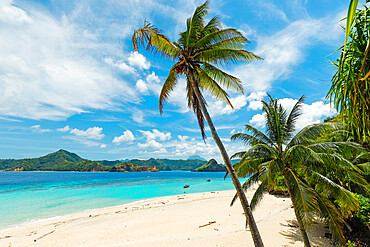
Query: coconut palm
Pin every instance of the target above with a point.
(196, 55)
(309, 168)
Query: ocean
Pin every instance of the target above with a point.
(31, 196)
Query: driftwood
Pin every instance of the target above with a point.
(209, 223)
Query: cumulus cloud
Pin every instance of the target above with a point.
(152, 136)
(141, 86)
(90, 133)
(64, 129)
(38, 129)
(311, 113)
(150, 144)
(103, 145)
(126, 137)
(182, 138)
(217, 108)
(161, 151)
(156, 134)
(44, 71)
(122, 66)
(255, 100)
(137, 60)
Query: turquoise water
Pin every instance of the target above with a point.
(28, 196)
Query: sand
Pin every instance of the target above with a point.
(201, 219)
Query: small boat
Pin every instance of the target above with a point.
(208, 180)
(186, 186)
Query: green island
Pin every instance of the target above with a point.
(211, 166)
(63, 160)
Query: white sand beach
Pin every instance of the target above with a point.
(201, 219)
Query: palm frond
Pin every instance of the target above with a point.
(212, 26)
(331, 214)
(225, 79)
(151, 37)
(224, 38)
(206, 82)
(247, 139)
(329, 187)
(194, 26)
(252, 180)
(293, 117)
(238, 155)
(168, 87)
(194, 104)
(300, 154)
(302, 195)
(311, 132)
(256, 132)
(258, 195)
(225, 56)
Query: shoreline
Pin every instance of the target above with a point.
(194, 219)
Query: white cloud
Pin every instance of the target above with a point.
(10, 13)
(273, 11)
(220, 108)
(284, 50)
(311, 114)
(153, 78)
(64, 129)
(141, 86)
(161, 151)
(152, 136)
(232, 131)
(126, 69)
(138, 60)
(103, 145)
(182, 138)
(150, 144)
(126, 137)
(90, 133)
(47, 68)
(255, 100)
(38, 129)
(138, 116)
(258, 120)
(156, 134)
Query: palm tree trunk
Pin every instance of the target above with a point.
(306, 241)
(243, 199)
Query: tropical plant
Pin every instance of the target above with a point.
(196, 55)
(309, 168)
(350, 89)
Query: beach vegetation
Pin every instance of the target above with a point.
(313, 164)
(197, 55)
(350, 87)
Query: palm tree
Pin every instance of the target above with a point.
(309, 168)
(196, 55)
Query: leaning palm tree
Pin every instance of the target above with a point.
(196, 55)
(308, 167)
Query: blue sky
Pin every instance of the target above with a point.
(71, 80)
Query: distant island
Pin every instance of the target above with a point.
(211, 166)
(63, 160)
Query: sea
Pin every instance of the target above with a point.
(31, 196)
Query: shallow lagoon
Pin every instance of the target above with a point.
(29, 196)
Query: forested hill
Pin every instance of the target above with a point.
(170, 165)
(211, 166)
(63, 160)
